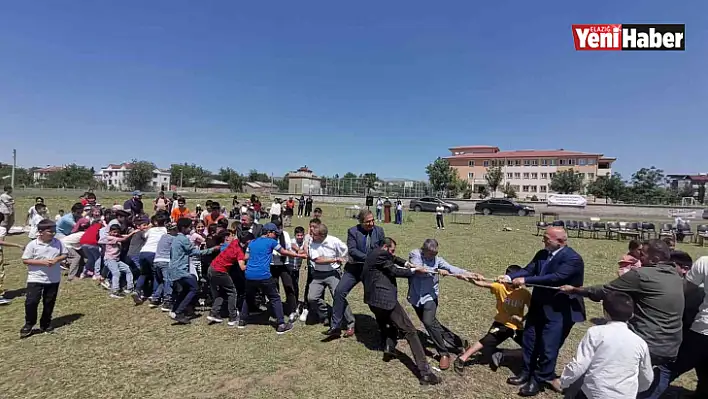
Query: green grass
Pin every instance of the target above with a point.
(116, 350)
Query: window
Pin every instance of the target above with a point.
(551, 175)
(582, 175)
(470, 176)
(534, 189)
(534, 176)
(552, 162)
(591, 176)
(591, 161)
(494, 163)
(517, 175)
(517, 162)
(534, 162)
(571, 161)
(509, 175)
(527, 162)
(542, 189)
(582, 161)
(525, 189)
(526, 176)
(486, 164)
(516, 188)
(509, 162)
(544, 175)
(470, 163)
(561, 162)
(544, 162)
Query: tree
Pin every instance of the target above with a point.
(140, 175)
(702, 193)
(509, 191)
(346, 185)
(23, 177)
(440, 174)
(190, 175)
(370, 180)
(255, 176)
(494, 178)
(647, 186)
(608, 187)
(233, 178)
(567, 182)
(72, 175)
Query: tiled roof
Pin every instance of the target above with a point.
(523, 154)
(50, 169)
(119, 166)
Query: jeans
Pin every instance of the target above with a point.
(221, 285)
(390, 322)
(662, 377)
(93, 258)
(162, 285)
(441, 335)
(269, 287)
(281, 272)
(239, 280)
(187, 287)
(379, 214)
(439, 221)
(315, 296)
(146, 261)
(340, 307)
(47, 293)
(117, 267)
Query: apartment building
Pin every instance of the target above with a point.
(41, 174)
(115, 176)
(529, 172)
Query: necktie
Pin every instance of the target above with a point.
(545, 264)
(368, 242)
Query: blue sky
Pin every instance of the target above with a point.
(363, 86)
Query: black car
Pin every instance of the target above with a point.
(503, 207)
(428, 204)
(705, 214)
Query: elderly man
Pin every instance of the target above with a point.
(327, 253)
(423, 292)
(361, 240)
(657, 291)
(551, 313)
(135, 204)
(248, 226)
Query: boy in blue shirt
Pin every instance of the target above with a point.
(258, 277)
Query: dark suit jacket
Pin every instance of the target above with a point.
(257, 230)
(380, 272)
(567, 267)
(356, 243)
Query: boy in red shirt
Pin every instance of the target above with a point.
(89, 246)
(221, 284)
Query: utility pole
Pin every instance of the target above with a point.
(181, 177)
(14, 165)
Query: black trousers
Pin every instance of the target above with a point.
(282, 273)
(443, 338)
(439, 221)
(394, 320)
(308, 210)
(221, 285)
(47, 293)
(693, 354)
(295, 276)
(300, 209)
(239, 280)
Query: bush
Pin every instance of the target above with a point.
(534, 198)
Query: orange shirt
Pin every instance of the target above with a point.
(178, 214)
(208, 221)
(290, 204)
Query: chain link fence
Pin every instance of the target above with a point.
(363, 186)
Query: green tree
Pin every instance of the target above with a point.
(509, 191)
(72, 175)
(23, 177)
(370, 180)
(347, 183)
(494, 178)
(702, 193)
(233, 178)
(567, 182)
(440, 174)
(608, 187)
(647, 185)
(190, 175)
(140, 175)
(255, 176)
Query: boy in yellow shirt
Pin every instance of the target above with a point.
(508, 323)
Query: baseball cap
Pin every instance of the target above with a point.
(270, 227)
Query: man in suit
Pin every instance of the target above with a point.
(361, 240)
(380, 270)
(247, 226)
(551, 314)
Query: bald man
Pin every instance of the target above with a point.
(551, 314)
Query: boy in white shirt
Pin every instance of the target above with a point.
(40, 213)
(612, 362)
(42, 257)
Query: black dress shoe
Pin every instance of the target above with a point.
(333, 332)
(428, 378)
(388, 355)
(520, 379)
(532, 388)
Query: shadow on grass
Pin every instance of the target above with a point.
(367, 332)
(66, 320)
(12, 294)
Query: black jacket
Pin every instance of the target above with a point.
(379, 276)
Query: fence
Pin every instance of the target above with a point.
(363, 186)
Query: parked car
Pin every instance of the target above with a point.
(500, 206)
(428, 204)
(705, 214)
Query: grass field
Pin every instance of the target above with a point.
(111, 349)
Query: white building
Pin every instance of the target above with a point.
(115, 176)
(41, 174)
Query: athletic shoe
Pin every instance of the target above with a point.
(497, 358)
(26, 331)
(182, 319)
(47, 330)
(105, 284)
(293, 317)
(153, 304)
(116, 295)
(303, 315)
(283, 328)
(233, 323)
(5, 301)
(136, 298)
(172, 315)
(166, 306)
(214, 319)
(241, 324)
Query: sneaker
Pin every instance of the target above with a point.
(172, 315)
(283, 328)
(443, 228)
(182, 319)
(25, 331)
(459, 366)
(293, 317)
(153, 304)
(214, 319)
(241, 324)
(136, 298)
(166, 306)
(5, 301)
(47, 330)
(497, 358)
(303, 315)
(105, 284)
(428, 378)
(232, 323)
(116, 295)
(63, 267)
(97, 277)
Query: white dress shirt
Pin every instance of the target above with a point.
(698, 275)
(330, 247)
(276, 209)
(613, 361)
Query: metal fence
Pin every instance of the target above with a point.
(362, 187)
